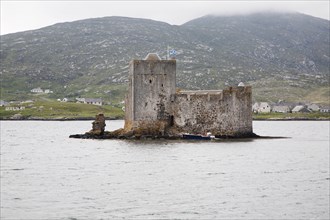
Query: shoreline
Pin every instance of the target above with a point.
(292, 119)
(58, 119)
(174, 137)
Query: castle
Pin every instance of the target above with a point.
(155, 107)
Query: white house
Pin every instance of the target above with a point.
(82, 100)
(37, 90)
(255, 107)
(93, 101)
(262, 107)
(27, 101)
(11, 108)
(325, 109)
(90, 101)
(300, 108)
(281, 108)
(3, 103)
(313, 107)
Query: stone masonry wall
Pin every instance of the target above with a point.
(151, 88)
(223, 113)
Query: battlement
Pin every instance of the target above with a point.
(216, 92)
(153, 67)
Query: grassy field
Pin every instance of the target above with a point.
(61, 110)
(50, 109)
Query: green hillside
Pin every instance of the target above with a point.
(283, 56)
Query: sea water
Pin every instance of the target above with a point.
(46, 175)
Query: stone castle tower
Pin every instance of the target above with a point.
(151, 92)
(153, 107)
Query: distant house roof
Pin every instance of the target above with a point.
(281, 108)
(261, 104)
(297, 108)
(92, 100)
(80, 99)
(261, 107)
(264, 105)
(36, 89)
(300, 108)
(313, 107)
(291, 105)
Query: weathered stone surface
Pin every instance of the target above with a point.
(98, 125)
(148, 102)
(223, 113)
(153, 107)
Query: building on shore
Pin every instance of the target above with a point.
(3, 103)
(261, 107)
(90, 101)
(281, 109)
(37, 90)
(301, 109)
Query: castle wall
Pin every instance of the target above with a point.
(148, 103)
(223, 113)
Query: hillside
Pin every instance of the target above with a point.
(283, 56)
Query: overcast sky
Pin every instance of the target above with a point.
(27, 15)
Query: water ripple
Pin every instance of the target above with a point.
(46, 175)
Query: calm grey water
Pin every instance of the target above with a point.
(46, 175)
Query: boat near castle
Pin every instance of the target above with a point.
(196, 137)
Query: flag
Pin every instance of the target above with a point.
(172, 53)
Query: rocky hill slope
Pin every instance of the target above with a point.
(283, 56)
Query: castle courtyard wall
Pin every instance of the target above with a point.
(223, 113)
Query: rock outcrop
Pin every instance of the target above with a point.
(98, 132)
(98, 125)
